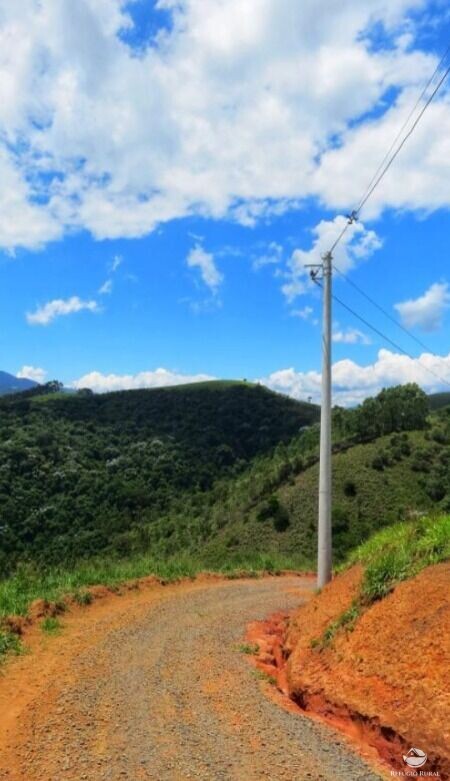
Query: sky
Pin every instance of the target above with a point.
(168, 169)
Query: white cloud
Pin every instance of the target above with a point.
(427, 311)
(160, 378)
(32, 373)
(350, 336)
(272, 256)
(204, 261)
(58, 308)
(106, 288)
(357, 244)
(352, 383)
(240, 110)
(407, 185)
(304, 313)
(116, 262)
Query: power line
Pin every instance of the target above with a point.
(387, 339)
(389, 158)
(381, 309)
(400, 147)
(406, 122)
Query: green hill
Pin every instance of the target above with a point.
(391, 461)
(219, 470)
(81, 474)
(439, 400)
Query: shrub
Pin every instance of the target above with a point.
(421, 461)
(381, 460)
(268, 509)
(339, 519)
(273, 510)
(436, 489)
(350, 488)
(281, 520)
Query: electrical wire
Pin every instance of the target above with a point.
(379, 174)
(381, 309)
(408, 135)
(406, 122)
(394, 151)
(386, 338)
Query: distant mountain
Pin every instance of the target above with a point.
(11, 384)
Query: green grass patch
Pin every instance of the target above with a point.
(83, 597)
(392, 555)
(346, 620)
(263, 676)
(248, 648)
(400, 552)
(51, 626)
(9, 644)
(29, 583)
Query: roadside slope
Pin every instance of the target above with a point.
(377, 662)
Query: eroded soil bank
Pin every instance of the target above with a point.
(385, 682)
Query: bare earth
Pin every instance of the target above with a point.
(150, 686)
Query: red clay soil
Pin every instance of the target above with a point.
(387, 682)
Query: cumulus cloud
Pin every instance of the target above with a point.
(235, 110)
(352, 382)
(32, 373)
(427, 311)
(349, 336)
(59, 307)
(160, 378)
(205, 262)
(357, 244)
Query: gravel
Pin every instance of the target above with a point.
(169, 697)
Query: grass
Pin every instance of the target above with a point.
(51, 626)
(263, 676)
(9, 644)
(83, 597)
(248, 648)
(400, 552)
(28, 584)
(392, 555)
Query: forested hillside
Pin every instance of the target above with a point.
(391, 461)
(79, 472)
(215, 469)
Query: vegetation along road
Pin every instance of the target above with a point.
(153, 685)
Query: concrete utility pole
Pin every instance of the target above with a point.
(324, 554)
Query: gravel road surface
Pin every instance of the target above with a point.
(167, 696)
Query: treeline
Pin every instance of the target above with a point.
(402, 408)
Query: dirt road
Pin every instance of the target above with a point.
(150, 686)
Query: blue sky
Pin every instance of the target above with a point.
(168, 172)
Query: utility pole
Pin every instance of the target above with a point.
(324, 555)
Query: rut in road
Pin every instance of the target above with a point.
(166, 696)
